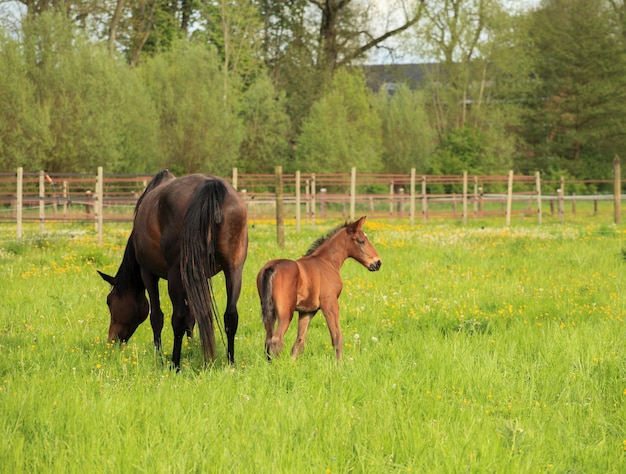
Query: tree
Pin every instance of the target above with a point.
(199, 130)
(346, 31)
(575, 120)
(76, 118)
(233, 28)
(455, 33)
(24, 136)
(473, 84)
(408, 139)
(306, 41)
(266, 136)
(468, 149)
(342, 130)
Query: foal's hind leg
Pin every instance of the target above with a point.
(303, 326)
(269, 332)
(276, 339)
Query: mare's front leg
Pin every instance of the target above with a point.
(180, 313)
(151, 283)
(330, 308)
(233, 279)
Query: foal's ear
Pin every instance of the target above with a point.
(107, 278)
(360, 222)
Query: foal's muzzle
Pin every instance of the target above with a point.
(375, 266)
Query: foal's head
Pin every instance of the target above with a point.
(128, 307)
(360, 248)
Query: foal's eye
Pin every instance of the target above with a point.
(360, 241)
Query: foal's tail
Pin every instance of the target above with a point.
(197, 259)
(268, 313)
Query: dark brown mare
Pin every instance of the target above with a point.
(311, 283)
(185, 230)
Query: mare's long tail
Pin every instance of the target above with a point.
(197, 259)
(268, 313)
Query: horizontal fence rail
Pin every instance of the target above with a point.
(56, 197)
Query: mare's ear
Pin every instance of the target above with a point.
(107, 278)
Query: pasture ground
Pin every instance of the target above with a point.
(474, 349)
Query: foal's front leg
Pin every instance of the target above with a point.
(330, 309)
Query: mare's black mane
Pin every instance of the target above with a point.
(129, 273)
(158, 179)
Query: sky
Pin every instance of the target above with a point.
(381, 56)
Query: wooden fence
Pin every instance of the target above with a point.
(305, 197)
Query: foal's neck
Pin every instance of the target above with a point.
(333, 251)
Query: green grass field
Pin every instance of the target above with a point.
(478, 349)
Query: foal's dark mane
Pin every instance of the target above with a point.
(321, 240)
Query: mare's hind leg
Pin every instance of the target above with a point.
(156, 313)
(231, 315)
(303, 326)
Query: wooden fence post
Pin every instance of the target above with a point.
(476, 188)
(235, 177)
(352, 193)
(412, 198)
(20, 201)
(464, 197)
(509, 198)
(280, 216)
(617, 194)
(424, 200)
(307, 193)
(42, 204)
(538, 191)
(297, 201)
(66, 194)
(313, 205)
(100, 204)
(561, 200)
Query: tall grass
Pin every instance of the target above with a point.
(473, 349)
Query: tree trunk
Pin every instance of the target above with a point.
(115, 20)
